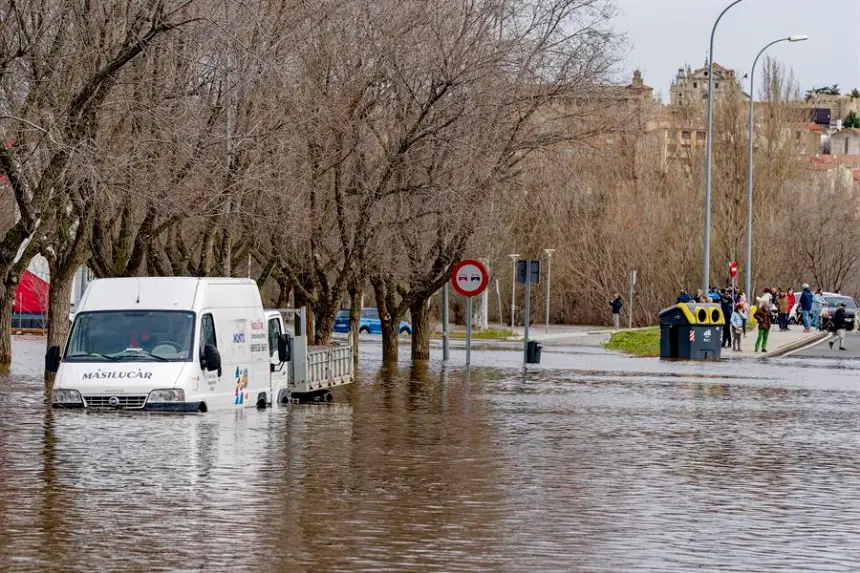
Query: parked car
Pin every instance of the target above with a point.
(369, 323)
(831, 304)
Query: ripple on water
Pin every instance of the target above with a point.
(422, 469)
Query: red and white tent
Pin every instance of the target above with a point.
(32, 295)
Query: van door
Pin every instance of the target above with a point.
(212, 378)
(278, 380)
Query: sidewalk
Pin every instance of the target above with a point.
(778, 344)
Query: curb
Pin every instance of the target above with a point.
(802, 344)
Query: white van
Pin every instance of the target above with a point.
(171, 344)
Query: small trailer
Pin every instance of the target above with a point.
(315, 370)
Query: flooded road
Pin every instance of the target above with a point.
(588, 462)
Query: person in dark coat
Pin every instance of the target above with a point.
(684, 298)
(616, 305)
(839, 327)
(727, 306)
(806, 307)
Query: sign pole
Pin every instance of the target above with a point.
(632, 290)
(469, 278)
(445, 350)
(468, 330)
(527, 315)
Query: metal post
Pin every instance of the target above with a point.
(485, 300)
(527, 314)
(748, 262)
(445, 350)
(706, 278)
(632, 290)
(228, 207)
(549, 253)
(499, 299)
(513, 290)
(468, 330)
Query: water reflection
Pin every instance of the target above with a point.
(424, 467)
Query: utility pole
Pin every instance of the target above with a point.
(549, 253)
(514, 258)
(445, 351)
(227, 243)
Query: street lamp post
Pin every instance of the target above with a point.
(706, 278)
(549, 253)
(514, 258)
(748, 266)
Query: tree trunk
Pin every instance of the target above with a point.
(390, 347)
(285, 287)
(325, 324)
(354, 320)
(59, 304)
(420, 311)
(7, 302)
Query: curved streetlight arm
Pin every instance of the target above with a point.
(707, 250)
(748, 262)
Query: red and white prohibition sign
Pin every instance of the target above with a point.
(469, 278)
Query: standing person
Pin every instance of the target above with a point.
(738, 324)
(806, 306)
(817, 305)
(745, 311)
(782, 311)
(792, 302)
(616, 305)
(684, 298)
(727, 306)
(762, 316)
(839, 327)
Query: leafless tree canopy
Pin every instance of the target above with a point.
(339, 147)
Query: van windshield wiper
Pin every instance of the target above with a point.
(149, 354)
(95, 354)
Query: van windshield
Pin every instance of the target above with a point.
(131, 336)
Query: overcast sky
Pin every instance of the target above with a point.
(664, 35)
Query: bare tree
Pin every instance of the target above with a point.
(59, 65)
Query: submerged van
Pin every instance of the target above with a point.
(171, 344)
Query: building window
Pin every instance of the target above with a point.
(685, 136)
(695, 85)
(705, 95)
(717, 86)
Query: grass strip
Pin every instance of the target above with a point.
(636, 342)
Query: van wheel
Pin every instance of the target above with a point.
(364, 330)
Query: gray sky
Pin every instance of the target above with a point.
(663, 35)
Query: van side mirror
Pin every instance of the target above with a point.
(285, 346)
(52, 359)
(211, 358)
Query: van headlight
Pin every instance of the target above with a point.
(168, 395)
(67, 397)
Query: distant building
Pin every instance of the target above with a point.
(845, 142)
(690, 87)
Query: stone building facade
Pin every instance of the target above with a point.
(690, 87)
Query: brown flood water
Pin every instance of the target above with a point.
(614, 465)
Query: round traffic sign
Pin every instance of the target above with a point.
(469, 278)
(733, 269)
